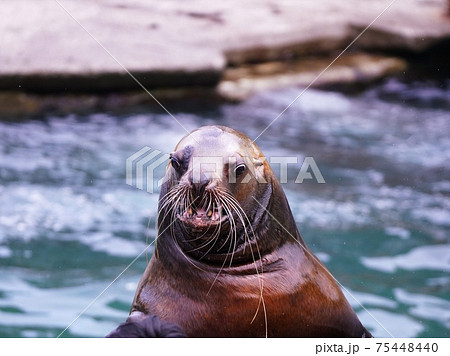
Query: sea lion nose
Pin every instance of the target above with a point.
(199, 184)
(198, 189)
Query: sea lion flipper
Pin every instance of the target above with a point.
(146, 326)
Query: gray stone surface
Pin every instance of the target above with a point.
(242, 82)
(184, 43)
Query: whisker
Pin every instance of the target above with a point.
(237, 206)
(179, 200)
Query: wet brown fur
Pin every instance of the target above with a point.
(276, 288)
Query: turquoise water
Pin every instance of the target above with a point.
(69, 224)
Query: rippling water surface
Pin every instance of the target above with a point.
(69, 224)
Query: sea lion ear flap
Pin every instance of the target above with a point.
(260, 174)
(258, 162)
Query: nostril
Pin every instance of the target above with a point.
(199, 184)
(199, 188)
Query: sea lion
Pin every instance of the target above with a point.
(229, 260)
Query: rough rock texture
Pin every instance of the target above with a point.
(351, 69)
(189, 43)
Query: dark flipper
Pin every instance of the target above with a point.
(149, 326)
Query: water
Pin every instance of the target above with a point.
(69, 224)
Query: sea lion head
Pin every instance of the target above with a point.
(217, 188)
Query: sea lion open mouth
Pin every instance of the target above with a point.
(202, 218)
(214, 215)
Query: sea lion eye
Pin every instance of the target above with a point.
(174, 162)
(240, 169)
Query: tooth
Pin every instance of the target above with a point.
(190, 211)
(209, 213)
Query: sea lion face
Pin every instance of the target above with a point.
(213, 175)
